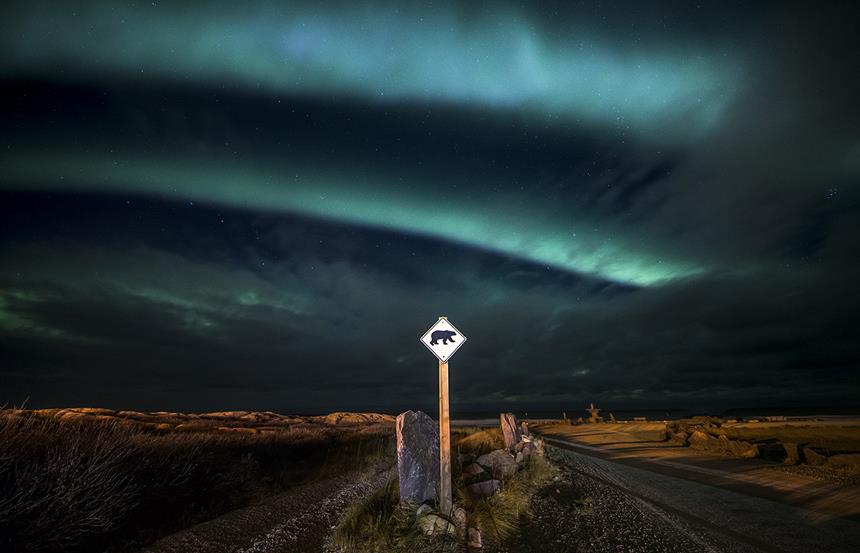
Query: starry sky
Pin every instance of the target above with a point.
(263, 205)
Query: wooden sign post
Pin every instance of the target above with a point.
(443, 340)
(445, 501)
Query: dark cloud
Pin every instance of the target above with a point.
(631, 256)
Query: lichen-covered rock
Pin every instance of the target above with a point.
(417, 456)
(500, 463)
(510, 430)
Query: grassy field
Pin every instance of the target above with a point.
(109, 482)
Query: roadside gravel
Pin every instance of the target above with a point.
(579, 513)
(298, 521)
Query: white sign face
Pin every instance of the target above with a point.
(443, 339)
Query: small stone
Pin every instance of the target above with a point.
(460, 516)
(423, 509)
(433, 525)
(520, 457)
(475, 539)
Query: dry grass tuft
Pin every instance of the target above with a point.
(499, 516)
(479, 442)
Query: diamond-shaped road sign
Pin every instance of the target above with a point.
(443, 339)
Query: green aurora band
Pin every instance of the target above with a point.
(496, 59)
(507, 227)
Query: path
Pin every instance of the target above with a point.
(712, 503)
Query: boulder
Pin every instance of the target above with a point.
(510, 430)
(473, 469)
(423, 509)
(483, 489)
(771, 452)
(466, 458)
(703, 441)
(740, 448)
(793, 453)
(814, 457)
(500, 463)
(434, 525)
(417, 457)
(679, 438)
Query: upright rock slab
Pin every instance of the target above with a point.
(417, 457)
(510, 430)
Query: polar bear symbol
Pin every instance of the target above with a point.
(443, 335)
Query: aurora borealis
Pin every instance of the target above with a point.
(257, 205)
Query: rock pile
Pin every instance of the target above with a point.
(707, 434)
(486, 475)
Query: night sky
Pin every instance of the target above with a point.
(238, 205)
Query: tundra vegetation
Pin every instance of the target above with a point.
(98, 480)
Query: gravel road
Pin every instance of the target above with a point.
(602, 506)
(298, 521)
